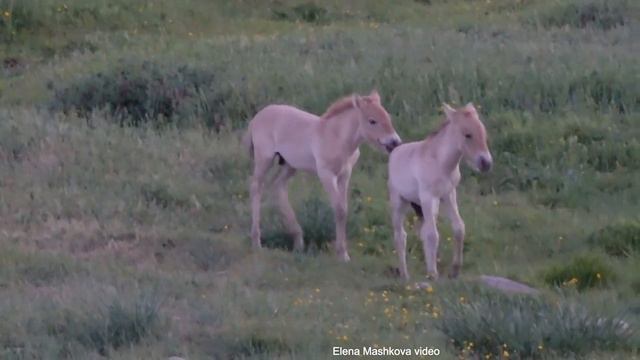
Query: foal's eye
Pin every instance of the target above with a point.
(372, 122)
(468, 136)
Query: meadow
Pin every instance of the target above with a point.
(124, 212)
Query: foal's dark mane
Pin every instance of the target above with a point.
(440, 128)
(338, 107)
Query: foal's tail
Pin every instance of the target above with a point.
(247, 142)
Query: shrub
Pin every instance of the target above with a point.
(256, 344)
(317, 222)
(160, 195)
(212, 254)
(306, 12)
(583, 272)
(140, 92)
(491, 323)
(35, 268)
(619, 239)
(115, 325)
(609, 156)
(14, 17)
(591, 13)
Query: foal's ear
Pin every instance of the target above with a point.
(469, 109)
(374, 96)
(448, 110)
(356, 100)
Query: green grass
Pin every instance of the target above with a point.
(124, 212)
(522, 326)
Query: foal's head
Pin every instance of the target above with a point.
(472, 134)
(375, 122)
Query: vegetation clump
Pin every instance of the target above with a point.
(618, 239)
(582, 272)
(523, 326)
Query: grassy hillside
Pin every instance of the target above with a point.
(124, 217)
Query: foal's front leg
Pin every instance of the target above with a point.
(429, 232)
(336, 189)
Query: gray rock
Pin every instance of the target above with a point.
(421, 285)
(507, 285)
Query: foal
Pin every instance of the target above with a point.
(325, 145)
(425, 173)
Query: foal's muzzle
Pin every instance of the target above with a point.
(485, 162)
(391, 142)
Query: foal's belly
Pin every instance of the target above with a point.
(406, 187)
(297, 156)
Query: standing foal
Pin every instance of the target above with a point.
(325, 145)
(425, 173)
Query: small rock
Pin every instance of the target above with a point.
(421, 285)
(507, 285)
(176, 358)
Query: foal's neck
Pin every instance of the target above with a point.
(448, 149)
(344, 130)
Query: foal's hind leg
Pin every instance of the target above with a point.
(260, 167)
(290, 221)
(450, 206)
(398, 212)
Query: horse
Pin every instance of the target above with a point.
(425, 173)
(326, 145)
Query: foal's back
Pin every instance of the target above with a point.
(282, 119)
(287, 131)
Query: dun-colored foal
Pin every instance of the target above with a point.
(326, 145)
(425, 174)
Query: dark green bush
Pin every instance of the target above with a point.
(582, 272)
(35, 268)
(522, 144)
(212, 254)
(307, 12)
(160, 195)
(528, 327)
(15, 16)
(619, 239)
(141, 92)
(122, 325)
(598, 14)
(316, 219)
(259, 345)
(608, 156)
(116, 325)
(585, 135)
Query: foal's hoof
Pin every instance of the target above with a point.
(298, 247)
(432, 276)
(344, 257)
(455, 271)
(423, 285)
